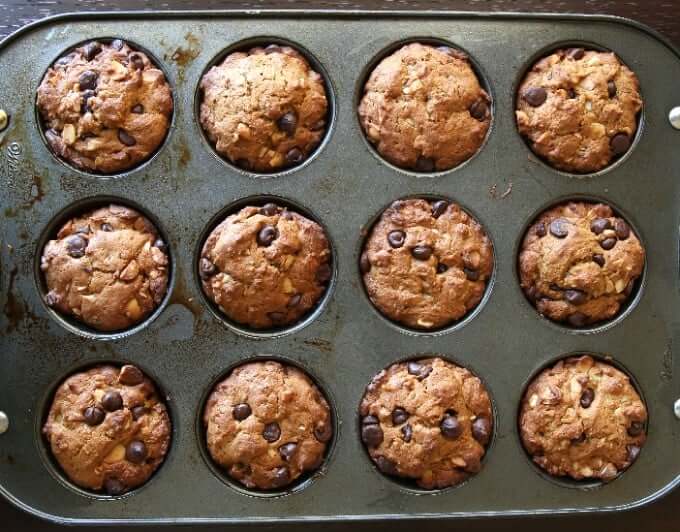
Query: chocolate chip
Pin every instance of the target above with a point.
(130, 376)
(575, 297)
(267, 235)
(611, 88)
(629, 287)
(439, 208)
(481, 430)
(294, 301)
(137, 109)
(276, 317)
(88, 80)
(419, 370)
(577, 319)
(620, 143)
(136, 452)
(425, 164)
(587, 397)
(608, 243)
(598, 259)
(636, 428)
(75, 246)
(396, 238)
(581, 438)
(576, 53)
(93, 415)
(136, 61)
(158, 243)
(446, 50)
(64, 60)
(372, 435)
(281, 477)
(51, 299)
(243, 163)
(114, 487)
(450, 427)
(386, 465)
(559, 228)
(117, 44)
(294, 156)
(287, 450)
(138, 411)
(364, 263)
(399, 416)
(323, 432)
(272, 49)
(472, 275)
(406, 433)
(441, 267)
(622, 229)
(478, 110)
(370, 420)
(633, 452)
(287, 123)
(269, 209)
(106, 227)
(271, 432)
(241, 411)
(91, 49)
(600, 224)
(324, 273)
(112, 401)
(540, 230)
(421, 252)
(571, 93)
(84, 106)
(206, 269)
(535, 96)
(126, 138)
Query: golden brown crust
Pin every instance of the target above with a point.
(575, 278)
(108, 268)
(590, 97)
(261, 284)
(95, 457)
(283, 432)
(264, 109)
(424, 108)
(582, 418)
(440, 284)
(412, 443)
(105, 111)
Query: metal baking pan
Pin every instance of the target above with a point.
(185, 348)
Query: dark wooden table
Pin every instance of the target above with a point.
(662, 15)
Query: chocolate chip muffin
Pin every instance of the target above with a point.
(105, 107)
(108, 268)
(264, 109)
(424, 109)
(578, 109)
(267, 424)
(579, 262)
(265, 267)
(427, 420)
(582, 418)
(108, 429)
(426, 263)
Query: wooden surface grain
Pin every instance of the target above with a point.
(662, 15)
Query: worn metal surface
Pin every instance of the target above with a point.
(345, 185)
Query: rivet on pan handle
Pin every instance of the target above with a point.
(676, 408)
(4, 120)
(674, 117)
(4, 422)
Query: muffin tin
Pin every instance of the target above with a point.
(185, 348)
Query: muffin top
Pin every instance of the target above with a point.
(424, 109)
(579, 263)
(582, 418)
(578, 109)
(265, 267)
(264, 109)
(267, 423)
(108, 268)
(427, 420)
(108, 429)
(105, 107)
(426, 263)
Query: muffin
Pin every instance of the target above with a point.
(579, 262)
(265, 267)
(108, 268)
(578, 109)
(424, 109)
(427, 420)
(426, 263)
(108, 429)
(105, 107)
(267, 424)
(583, 419)
(264, 109)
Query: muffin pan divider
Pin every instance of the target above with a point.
(345, 186)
